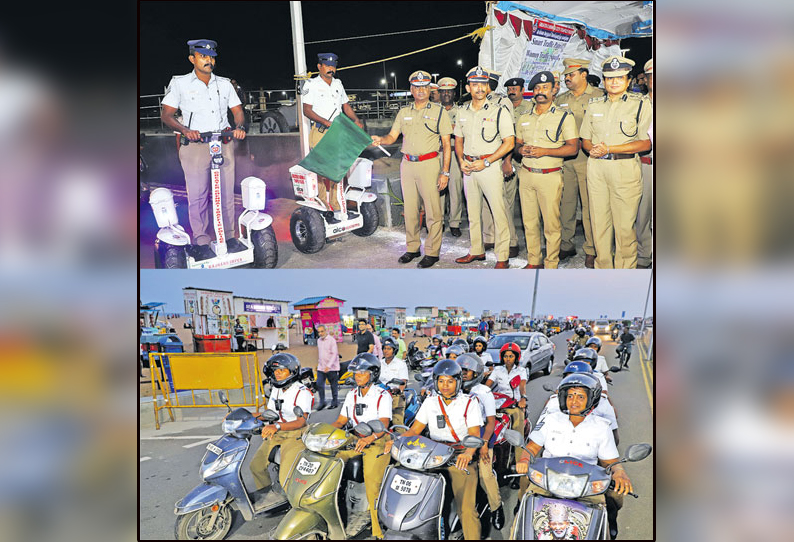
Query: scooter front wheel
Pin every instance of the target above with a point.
(265, 248)
(196, 525)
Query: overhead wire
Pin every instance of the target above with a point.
(392, 33)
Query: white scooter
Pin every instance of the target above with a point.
(312, 223)
(256, 244)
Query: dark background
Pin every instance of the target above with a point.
(255, 40)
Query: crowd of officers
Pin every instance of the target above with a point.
(459, 402)
(553, 151)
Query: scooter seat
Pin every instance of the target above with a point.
(354, 469)
(275, 455)
(235, 245)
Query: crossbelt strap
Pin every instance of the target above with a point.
(446, 419)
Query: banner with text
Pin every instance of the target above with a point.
(544, 48)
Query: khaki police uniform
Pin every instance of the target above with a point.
(645, 212)
(283, 401)
(574, 176)
(463, 412)
(540, 180)
(614, 182)
(482, 131)
(396, 368)
(455, 186)
(422, 130)
(204, 108)
(488, 480)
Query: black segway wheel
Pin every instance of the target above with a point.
(371, 218)
(307, 230)
(167, 256)
(265, 248)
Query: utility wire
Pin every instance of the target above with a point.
(392, 33)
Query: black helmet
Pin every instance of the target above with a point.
(462, 343)
(580, 331)
(577, 367)
(437, 336)
(366, 362)
(447, 367)
(282, 361)
(388, 341)
(473, 363)
(580, 380)
(587, 354)
(594, 342)
(455, 349)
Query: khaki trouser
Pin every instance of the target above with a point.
(464, 491)
(644, 217)
(454, 192)
(374, 472)
(314, 137)
(510, 190)
(489, 483)
(517, 424)
(195, 160)
(540, 195)
(574, 172)
(419, 182)
(291, 446)
(487, 185)
(398, 410)
(615, 189)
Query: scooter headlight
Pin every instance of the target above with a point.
(230, 426)
(537, 478)
(567, 486)
(321, 443)
(411, 458)
(434, 461)
(218, 465)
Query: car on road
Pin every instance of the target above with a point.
(601, 327)
(537, 351)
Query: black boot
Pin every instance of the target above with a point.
(498, 518)
(612, 518)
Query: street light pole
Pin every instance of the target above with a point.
(394, 77)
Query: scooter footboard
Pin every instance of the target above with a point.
(201, 496)
(572, 519)
(299, 524)
(411, 502)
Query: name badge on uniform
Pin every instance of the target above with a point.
(563, 105)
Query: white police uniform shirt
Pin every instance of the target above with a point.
(326, 100)
(589, 441)
(487, 402)
(486, 357)
(374, 405)
(502, 378)
(601, 365)
(204, 107)
(604, 410)
(284, 400)
(396, 368)
(463, 412)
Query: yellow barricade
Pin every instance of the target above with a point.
(173, 373)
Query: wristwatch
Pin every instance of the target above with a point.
(486, 162)
(445, 173)
(278, 427)
(241, 128)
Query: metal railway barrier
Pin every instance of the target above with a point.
(173, 373)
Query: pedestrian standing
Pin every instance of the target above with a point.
(378, 348)
(327, 367)
(239, 334)
(204, 99)
(424, 126)
(614, 130)
(365, 341)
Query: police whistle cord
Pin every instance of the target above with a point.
(476, 34)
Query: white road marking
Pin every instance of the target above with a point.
(199, 443)
(146, 458)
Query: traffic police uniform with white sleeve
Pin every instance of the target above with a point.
(455, 187)
(574, 169)
(603, 410)
(502, 378)
(462, 413)
(540, 179)
(645, 211)
(283, 401)
(389, 370)
(614, 182)
(204, 108)
(374, 405)
(422, 131)
(488, 480)
(483, 131)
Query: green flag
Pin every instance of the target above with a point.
(337, 150)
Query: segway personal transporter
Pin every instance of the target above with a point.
(256, 244)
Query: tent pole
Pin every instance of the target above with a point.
(490, 23)
(299, 55)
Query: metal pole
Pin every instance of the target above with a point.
(299, 55)
(535, 294)
(490, 23)
(647, 298)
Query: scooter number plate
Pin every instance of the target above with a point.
(404, 486)
(308, 468)
(214, 449)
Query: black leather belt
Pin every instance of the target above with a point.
(613, 156)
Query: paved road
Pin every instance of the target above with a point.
(169, 458)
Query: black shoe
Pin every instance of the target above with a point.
(515, 483)
(455, 232)
(613, 532)
(320, 407)
(427, 261)
(498, 518)
(334, 405)
(641, 266)
(330, 218)
(408, 256)
(513, 252)
(565, 254)
(200, 252)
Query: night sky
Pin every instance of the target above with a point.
(255, 40)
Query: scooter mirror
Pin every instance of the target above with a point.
(222, 397)
(376, 426)
(637, 452)
(418, 377)
(298, 411)
(470, 441)
(548, 387)
(515, 381)
(513, 437)
(363, 429)
(614, 369)
(270, 415)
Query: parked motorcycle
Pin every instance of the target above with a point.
(324, 491)
(415, 501)
(564, 516)
(206, 511)
(615, 333)
(414, 357)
